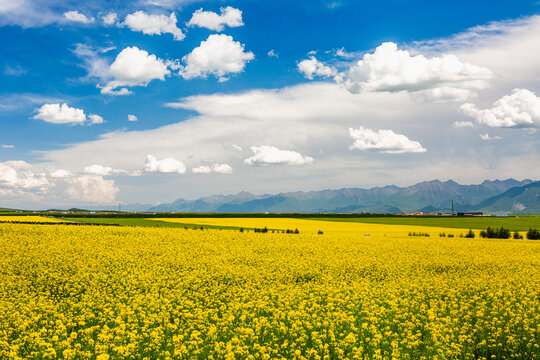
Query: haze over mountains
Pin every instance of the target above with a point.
(508, 196)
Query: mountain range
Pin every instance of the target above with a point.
(492, 196)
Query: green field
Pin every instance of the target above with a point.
(513, 223)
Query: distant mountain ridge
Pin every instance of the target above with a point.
(427, 196)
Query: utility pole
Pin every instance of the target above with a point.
(119, 206)
(453, 207)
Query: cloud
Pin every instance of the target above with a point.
(75, 16)
(23, 181)
(384, 141)
(230, 17)
(169, 4)
(6, 146)
(203, 169)
(520, 109)
(393, 70)
(217, 168)
(487, 137)
(165, 166)
(273, 53)
(88, 189)
(312, 67)
(60, 173)
(95, 119)
(63, 114)
(342, 53)
(16, 176)
(218, 55)
(134, 67)
(132, 117)
(96, 66)
(97, 169)
(110, 19)
(462, 124)
(222, 168)
(16, 70)
(266, 154)
(153, 24)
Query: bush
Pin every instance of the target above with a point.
(517, 236)
(500, 233)
(450, 235)
(320, 232)
(533, 234)
(418, 234)
(442, 234)
(470, 234)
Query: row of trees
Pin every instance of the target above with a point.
(502, 233)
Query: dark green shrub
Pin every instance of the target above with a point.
(494, 233)
(533, 234)
(517, 236)
(470, 234)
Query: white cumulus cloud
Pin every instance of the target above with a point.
(390, 69)
(384, 141)
(166, 166)
(266, 154)
(97, 169)
(134, 67)
(76, 16)
(217, 168)
(487, 137)
(150, 24)
(273, 53)
(110, 19)
(132, 117)
(203, 169)
(64, 114)
(7, 146)
(218, 55)
(23, 181)
(229, 16)
(60, 173)
(520, 109)
(95, 119)
(312, 67)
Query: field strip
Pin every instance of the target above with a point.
(514, 223)
(314, 226)
(31, 218)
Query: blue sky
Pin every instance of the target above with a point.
(263, 96)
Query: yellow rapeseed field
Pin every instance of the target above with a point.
(29, 218)
(88, 292)
(313, 226)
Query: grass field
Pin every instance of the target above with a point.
(93, 292)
